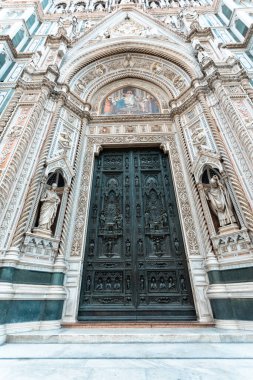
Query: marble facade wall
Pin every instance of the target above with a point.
(53, 123)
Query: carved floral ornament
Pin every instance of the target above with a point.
(171, 79)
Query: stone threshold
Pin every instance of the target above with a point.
(134, 324)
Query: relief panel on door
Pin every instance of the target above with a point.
(134, 265)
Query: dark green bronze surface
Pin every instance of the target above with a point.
(134, 266)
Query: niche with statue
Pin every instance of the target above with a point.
(219, 201)
(49, 205)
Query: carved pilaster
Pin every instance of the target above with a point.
(21, 131)
(35, 188)
(241, 204)
(238, 127)
(208, 247)
(9, 111)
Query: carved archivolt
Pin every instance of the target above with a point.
(75, 60)
(171, 79)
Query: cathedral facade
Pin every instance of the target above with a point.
(126, 152)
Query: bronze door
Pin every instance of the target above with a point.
(134, 265)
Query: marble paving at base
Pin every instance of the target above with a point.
(203, 361)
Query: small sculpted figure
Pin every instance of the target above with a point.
(153, 5)
(199, 138)
(202, 55)
(220, 202)
(50, 201)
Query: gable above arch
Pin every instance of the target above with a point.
(128, 32)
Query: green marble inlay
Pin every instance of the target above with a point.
(16, 311)
(233, 308)
(229, 276)
(22, 276)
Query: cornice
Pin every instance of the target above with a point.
(83, 114)
(15, 53)
(177, 108)
(57, 39)
(131, 118)
(28, 86)
(18, 4)
(245, 43)
(224, 72)
(199, 32)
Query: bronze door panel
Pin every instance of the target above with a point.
(134, 265)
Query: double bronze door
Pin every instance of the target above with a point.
(134, 264)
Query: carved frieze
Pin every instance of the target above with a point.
(232, 244)
(37, 249)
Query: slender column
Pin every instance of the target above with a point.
(9, 111)
(70, 200)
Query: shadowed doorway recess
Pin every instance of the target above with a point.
(135, 265)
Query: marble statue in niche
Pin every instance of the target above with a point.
(80, 7)
(99, 7)
(50, 201)
(200, 52)
(220, 203)
(153, 285)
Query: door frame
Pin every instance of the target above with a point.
(95, 140)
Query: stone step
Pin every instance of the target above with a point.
(133, 335)
(127, 351)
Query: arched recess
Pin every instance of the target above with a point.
(91, 79)
(170, 78)
(97, 97)
(153, 74)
